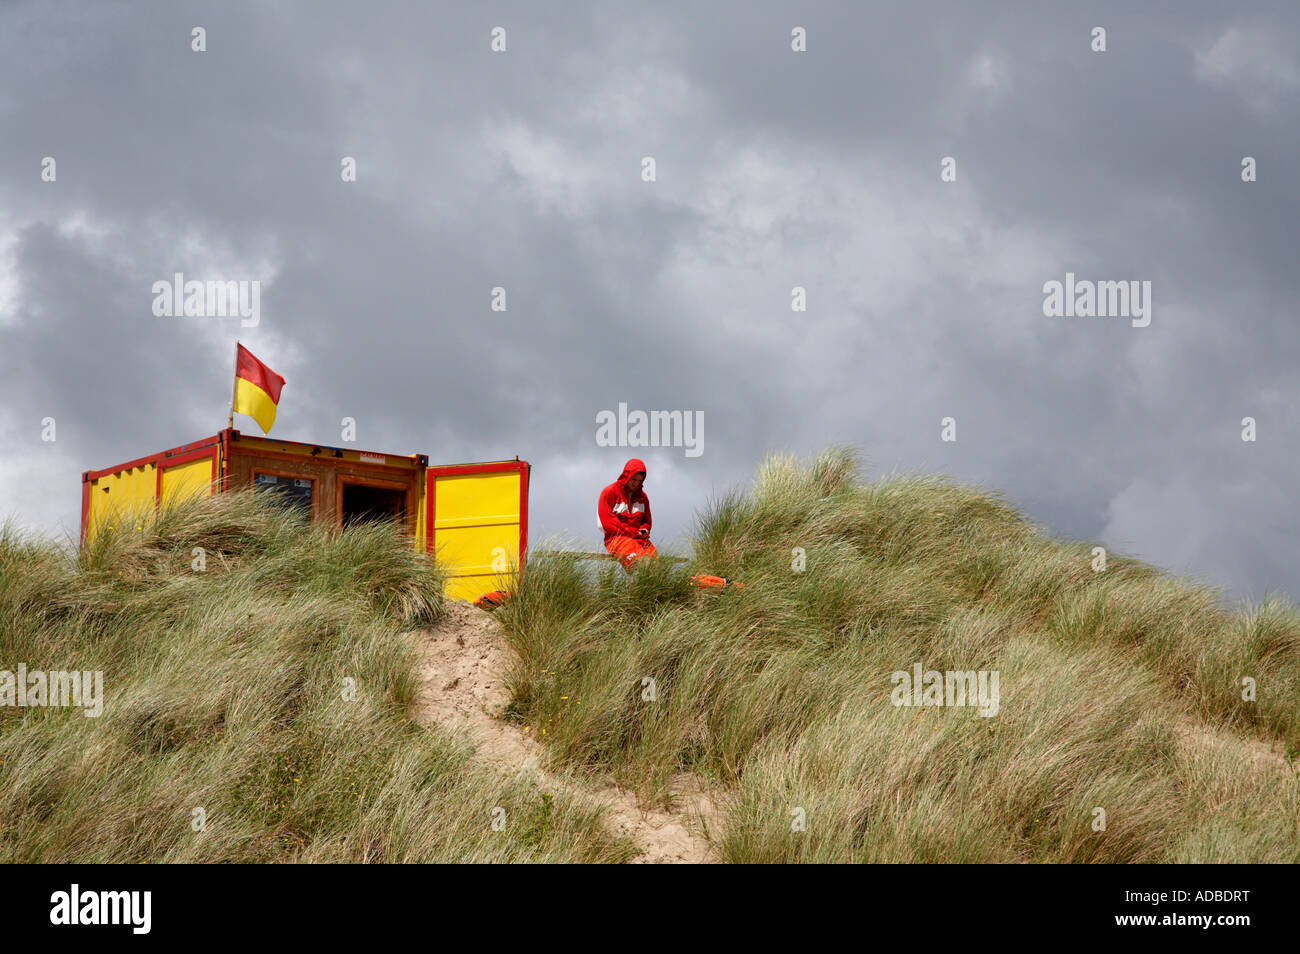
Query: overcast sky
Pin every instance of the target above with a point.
(523, 170)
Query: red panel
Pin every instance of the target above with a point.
(430, 502)
(85, 502)
(226, 437)
(523, 511)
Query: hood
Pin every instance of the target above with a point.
(633, 466)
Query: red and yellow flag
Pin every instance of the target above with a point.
(257, 389)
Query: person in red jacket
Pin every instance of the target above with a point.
(624, 511)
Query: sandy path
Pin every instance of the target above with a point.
(462, 661)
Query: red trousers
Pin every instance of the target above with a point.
(630, 549)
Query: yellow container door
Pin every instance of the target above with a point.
(477, 524)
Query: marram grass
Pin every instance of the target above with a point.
(1122, 734)
(225, 734)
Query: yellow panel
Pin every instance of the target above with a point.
(186, 479)
(471, 496)
(127, 491)
(465, 550)
(476, 525)
(470, 588)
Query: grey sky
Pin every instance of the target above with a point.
(522, 169)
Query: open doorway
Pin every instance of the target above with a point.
(363, 503)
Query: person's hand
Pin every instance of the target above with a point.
(643, 532)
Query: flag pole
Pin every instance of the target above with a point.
(234, 388)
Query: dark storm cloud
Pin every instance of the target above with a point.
(522, 170)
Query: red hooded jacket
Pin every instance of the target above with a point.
(622, 515)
